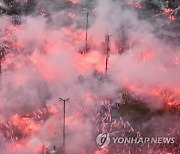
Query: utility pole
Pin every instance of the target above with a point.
(81, 4)
(87, 25)
(2, 54)
(107, 40)
(64, 122)
(43, 149)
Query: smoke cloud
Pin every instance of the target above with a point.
(43, 62)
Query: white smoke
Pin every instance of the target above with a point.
(48, 65)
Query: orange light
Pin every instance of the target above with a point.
(73, 1)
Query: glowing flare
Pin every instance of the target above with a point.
(74, 1)
(92, 60)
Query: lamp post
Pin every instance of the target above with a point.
(107, 40)
(2, 54)
(87, 25)
(87, 11)
(64, 122)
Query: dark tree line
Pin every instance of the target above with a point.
(17, 7)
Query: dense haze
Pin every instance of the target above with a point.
(43, 63)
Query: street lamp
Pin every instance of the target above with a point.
(64, 102)
(87, 11)
(2, 54)
(87, 22)
(107, 40)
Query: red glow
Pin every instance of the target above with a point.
(71, 15)
(146, 55)
(92, 60)
(88, 97)
(168, 10)
(103, 151)
(171, 17)
(48, 62)
(53, 110)
(135, 4)
(74, 1)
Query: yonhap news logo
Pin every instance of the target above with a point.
(104, 139)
